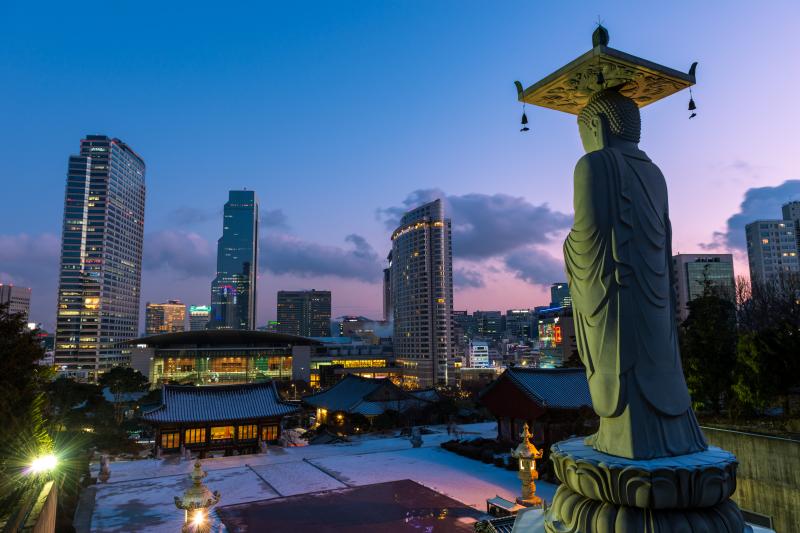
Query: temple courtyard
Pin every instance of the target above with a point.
(139, 494)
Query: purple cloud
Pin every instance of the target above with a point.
(758, 203)
(487, 225)
(286, 254)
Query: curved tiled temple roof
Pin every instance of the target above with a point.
(219, 403)
(560, 388)
(368, 396)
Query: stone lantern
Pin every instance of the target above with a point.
(196, 502)
(526, 453)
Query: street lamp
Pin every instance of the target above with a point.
(43, 463)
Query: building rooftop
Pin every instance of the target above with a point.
(369, 397)
(223, 337)
(392, 506)
(218, 403)
(560, 388)
(139, 494)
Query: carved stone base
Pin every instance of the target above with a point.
(603, 493)
(701, 479)
(571, 512)
(533, 501)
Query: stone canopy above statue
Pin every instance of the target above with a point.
(568, 89)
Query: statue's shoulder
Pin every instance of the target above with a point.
(594, 164)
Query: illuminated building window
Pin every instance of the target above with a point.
(195, 436)
(170, 440)
(222, 433)
(249, 432)
(269, 433)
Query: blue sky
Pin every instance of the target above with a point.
(336, 111)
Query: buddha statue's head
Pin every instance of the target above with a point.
(609, 119)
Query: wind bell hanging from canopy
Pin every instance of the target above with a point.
(569, 88)
(524, 120)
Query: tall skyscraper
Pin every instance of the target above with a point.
(771, 249)
(791, 211)
(101, 257)
(304, 313)
(198, 317)
(17, 298)
(422, 297)
(233, 291)
(168, 317)
(559, 295)
(691, 273)
(387, 289)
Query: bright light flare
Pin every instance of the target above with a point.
(44, 463)
(198, 518)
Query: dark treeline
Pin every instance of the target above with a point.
(741, 347)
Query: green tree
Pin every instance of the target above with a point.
(708, 348)
(767, 366)
(120, 380)
(769, 342)
(23, 431)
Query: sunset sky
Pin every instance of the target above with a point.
(341, 114)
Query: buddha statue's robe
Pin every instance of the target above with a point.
(619, 266)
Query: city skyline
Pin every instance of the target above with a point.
(245, 94)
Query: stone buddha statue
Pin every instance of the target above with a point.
(619, 266)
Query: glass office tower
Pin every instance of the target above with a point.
(101, 257)
(233, 291)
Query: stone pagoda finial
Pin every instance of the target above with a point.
(196, 502)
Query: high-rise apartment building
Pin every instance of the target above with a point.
(233, 291)
(101, 257)
(559, 295)
(693, 271)
(18, 299)
(168, 317)
(465, 327)
(304, 313)
(490, 324)
(422, 297)
(198, 317)
(791, 211)
(772, 249)
(520, 323)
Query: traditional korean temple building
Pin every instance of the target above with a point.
(367, 397)
(554, 402)
(218, 417)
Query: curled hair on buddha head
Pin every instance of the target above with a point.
(621, 113)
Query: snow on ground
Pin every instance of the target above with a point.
(297, 477)
(466, 480)
(147, 504)
(139, 495)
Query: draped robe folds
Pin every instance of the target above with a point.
(619, 266)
